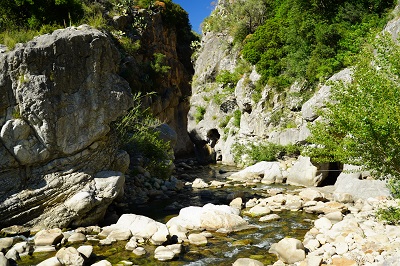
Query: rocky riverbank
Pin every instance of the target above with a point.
(344, 230)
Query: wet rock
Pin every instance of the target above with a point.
(48, 237)
(167, 253)
(3, 260)
(270, 217)
(140, 226)
(197, 239)
(70, 256)
(258, 210)
(48, 249)
(76, 238)
(247, 262)
(12, 254)
(289, 250)
(53, 261)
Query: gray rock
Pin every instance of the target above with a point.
(53, 124)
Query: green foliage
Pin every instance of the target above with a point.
(237, 115)
(390, 215)
(200, 112)
(224, 121)
(159, 64)
(138, 135)
(263, 151)
(362, 122)
(33, 14)
(227, 78)
(307, 39)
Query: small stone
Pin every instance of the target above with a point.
(6, 243)
(77, 238)
(236, 203)
(199, 183)
(53, 261)
(197, 239)
(270, 217)
(289, 250)
(48, 237)
(247, 262)
(70, 256)
(314, 260)
(86, 250)
(323, 224)
(3, 260)
(335, 216)
(258, 210)
(341, 248)
(102, 263)
(343, 262)
(163, 253)
(132, 244)
(312, 244)
(47, 249)
(139, 251)
(120, 234)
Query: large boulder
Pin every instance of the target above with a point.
(306, 173)
(58, 95)
(289, 250)
(351, 181)
(210, 217)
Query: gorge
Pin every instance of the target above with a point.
(69, 189)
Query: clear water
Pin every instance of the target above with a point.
(222, 249)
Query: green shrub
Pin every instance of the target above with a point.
(237, 115)
(227, 78)
(200, 112)
(159, 64)
(138, 135)
(224, 121)
(390, 215)
(263, 151)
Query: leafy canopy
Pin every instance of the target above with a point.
(362, 122)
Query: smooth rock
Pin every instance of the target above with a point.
(323, 224)
(6, 243)
(53, 261)
(237, 203)
(120, 234)
(199, 183)
(247, 262)
(4, 261)
(76, 238)
(139, 251)
(70, 256)
(197, 239)
(102, 263)
(48, 237)
(289, 250)
(270, 217)
(163, 253)
(259, 210)
(85, 250)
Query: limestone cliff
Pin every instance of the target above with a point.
(59, 94)
(223, 114)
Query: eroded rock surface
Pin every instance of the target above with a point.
(59, 94)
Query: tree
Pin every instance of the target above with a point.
(362, 122)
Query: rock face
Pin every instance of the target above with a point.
(59, 94)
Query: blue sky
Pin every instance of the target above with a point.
(197, 9)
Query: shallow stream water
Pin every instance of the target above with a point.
(222, 249)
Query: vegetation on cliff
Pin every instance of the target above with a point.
(291, 40)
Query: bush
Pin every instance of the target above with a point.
(200, 112)
(263, 151)
(138, 135)
(362, 122)
(390, 215)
